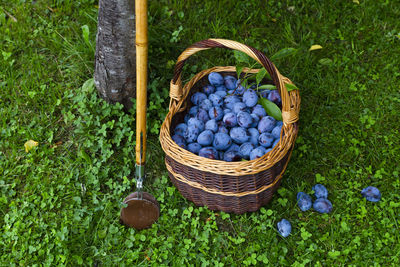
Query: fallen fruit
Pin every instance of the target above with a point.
(322, 205)
(371, 193)
(284, 227)
(320, 191)
(304, 201)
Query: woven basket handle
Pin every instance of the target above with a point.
(289, 114)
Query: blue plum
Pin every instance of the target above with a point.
(206, 104)
(230, 119)
(230, 100)
(265, 139)
(371, 193)
(257, 152)
(191, 134)
(180, 129)
(223, 129)
(233, 147)
(222, 141)
(205, 138)
(212, 125)
(194, 148)
(279, 123)
(250, 98)
(196, 123)
(208, 152)
(216, 100)
(256, 119)
(276, 132)
(231, 156)
(304, 201)
(320, 191)
(264, 93)
(179, 140)
(239, 106)
(266, 124)
(254, 134)
(193, 111)
(202, 115)
(244, 119)
(221, 93)
(274, 97)
(259, 111)
(240, 135)
(215, 78)
(221, 88)
(186, 118)
(230, 82)
(245, 150)
(322, 205)
(284, 227)
(198, 97)
(216, 113)
(275, 142)
(208, 89)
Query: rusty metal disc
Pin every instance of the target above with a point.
(140, 213)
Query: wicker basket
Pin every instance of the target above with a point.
(227, 186)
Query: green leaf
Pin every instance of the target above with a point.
(284, 53)
(325, 61)
(241, 57)
(239, 70)
(88, 86)
(271, 108)
(290, 87)
(267, 86)
(260, 75)
(85, 34)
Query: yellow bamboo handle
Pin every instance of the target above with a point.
(141, 79)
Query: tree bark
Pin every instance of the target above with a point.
(115, 58)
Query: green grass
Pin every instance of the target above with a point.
(60, 202)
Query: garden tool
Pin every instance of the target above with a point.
(141, 209)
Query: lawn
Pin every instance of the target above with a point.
(60, 201)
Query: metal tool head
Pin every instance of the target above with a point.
(142, 210)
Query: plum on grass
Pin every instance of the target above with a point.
(205, 138)
(320, 191)
(222, 141)
(230, 119)
(245, 150)
(231, 156)
(371, 193)
(208, 152)
(240, 135)
(266, 124)
(265, 139)
(244, 119)
(250, 98)
(198, 97)
(194, 148)
(284, 227)
(304, 201)
(322, 205)
(257, 152)
(215, 78)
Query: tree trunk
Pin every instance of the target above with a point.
(115, 59)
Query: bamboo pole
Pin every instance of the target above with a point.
(141, 79)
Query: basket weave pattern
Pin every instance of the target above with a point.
(227, 186)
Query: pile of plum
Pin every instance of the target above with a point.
(226, 123)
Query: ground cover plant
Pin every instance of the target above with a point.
(60, 201)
